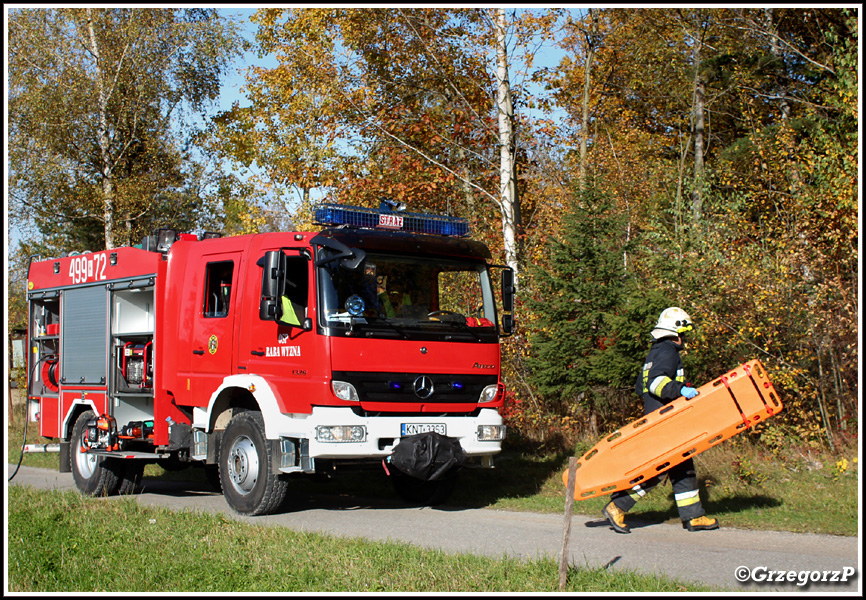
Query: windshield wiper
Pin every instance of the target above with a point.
(460, 324)
(386, 321)
(469, 329)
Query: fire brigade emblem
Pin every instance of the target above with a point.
(212, 344)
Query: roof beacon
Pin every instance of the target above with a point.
(386, 217)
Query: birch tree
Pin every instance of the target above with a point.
(418, 107)
(509, 205)
(94, 95)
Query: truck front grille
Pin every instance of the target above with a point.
(414, 387)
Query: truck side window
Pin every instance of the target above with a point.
(295, 291)
(218, 288)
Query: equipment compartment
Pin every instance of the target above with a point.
(132, 311)
(132, 329)
(45, 345)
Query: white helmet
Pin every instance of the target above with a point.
(672, 322)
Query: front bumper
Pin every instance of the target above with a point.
(383, 433)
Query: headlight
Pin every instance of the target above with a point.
(345, 391)
(489, 394)
(491, 433)
(341, 433)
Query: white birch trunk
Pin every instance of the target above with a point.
(698, 182)
(104, 142)
(507, 188)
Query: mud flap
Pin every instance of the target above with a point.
(428, 456)
(65, 467)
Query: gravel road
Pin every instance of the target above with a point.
(714, 558)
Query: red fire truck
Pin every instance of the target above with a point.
(265, 357)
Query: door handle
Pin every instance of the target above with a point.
(198, 351)
(257, 352)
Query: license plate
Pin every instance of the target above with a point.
(413, 428)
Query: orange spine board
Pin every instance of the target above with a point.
(679, 430)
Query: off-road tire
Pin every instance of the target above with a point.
(249, 483)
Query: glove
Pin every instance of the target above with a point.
(689, 392)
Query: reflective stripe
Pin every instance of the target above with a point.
(637, 492)
(646, 372)
(659, 384)
(687, 498)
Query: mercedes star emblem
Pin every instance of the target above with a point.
(423, 387)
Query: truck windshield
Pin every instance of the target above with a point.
(409, 297)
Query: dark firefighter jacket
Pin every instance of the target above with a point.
(662, 376)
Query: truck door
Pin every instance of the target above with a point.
(212, 326)
(284, 351)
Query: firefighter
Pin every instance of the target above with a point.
(384, 296)
(660, 381)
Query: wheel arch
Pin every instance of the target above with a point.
(237, 393)
(72, 415)
(229, 401)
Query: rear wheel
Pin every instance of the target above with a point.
(94, 475)
(249, 483)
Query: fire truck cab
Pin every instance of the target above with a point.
(264, 357)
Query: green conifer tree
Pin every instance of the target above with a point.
(594, 317)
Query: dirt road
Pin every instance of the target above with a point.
(715, 558)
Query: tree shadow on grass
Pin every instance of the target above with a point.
(516, 475)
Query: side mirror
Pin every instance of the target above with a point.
(508, 300)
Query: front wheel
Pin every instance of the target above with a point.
(249, 483)
(94, 475)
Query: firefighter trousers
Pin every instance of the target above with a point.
(684, 482)
(683, 477)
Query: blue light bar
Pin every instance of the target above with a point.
(332, 215)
